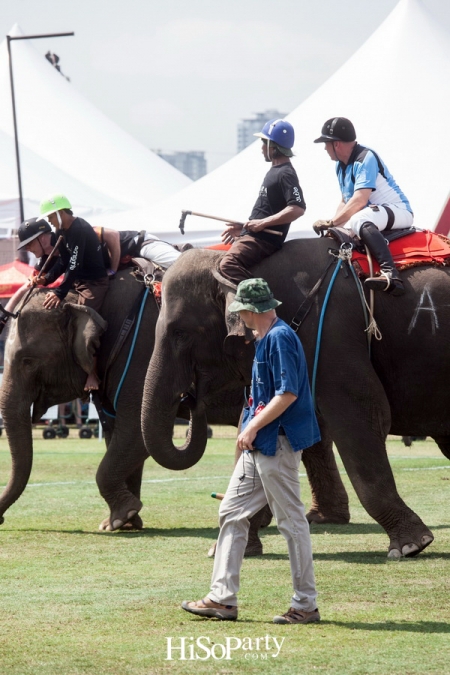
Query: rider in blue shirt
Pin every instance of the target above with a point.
(371, 199)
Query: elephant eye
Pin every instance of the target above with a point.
(180, 336)
(28, 362)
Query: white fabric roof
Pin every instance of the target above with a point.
(394, 89)
(67, 145)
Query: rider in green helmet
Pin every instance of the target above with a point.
(81, 262)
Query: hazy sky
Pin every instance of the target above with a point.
(181, 74)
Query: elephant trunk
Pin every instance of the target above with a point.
(159, 409)
(17, 422)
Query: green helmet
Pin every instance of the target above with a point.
(53, 204)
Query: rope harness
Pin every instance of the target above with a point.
(338, 257)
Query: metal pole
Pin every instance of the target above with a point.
(16, 138)
(9, 39)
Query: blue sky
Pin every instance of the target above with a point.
(180, 74)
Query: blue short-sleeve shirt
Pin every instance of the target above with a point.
(279, 367)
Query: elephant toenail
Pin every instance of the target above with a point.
(408, 549)
(394, 554)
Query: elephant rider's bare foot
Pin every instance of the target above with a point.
(135, 523)
(92, 382)
(319, 518)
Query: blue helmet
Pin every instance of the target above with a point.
(278, 131)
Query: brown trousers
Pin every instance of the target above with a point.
(246, 252)
(91, 293)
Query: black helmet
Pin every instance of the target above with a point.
(337, 129)
(31, 229)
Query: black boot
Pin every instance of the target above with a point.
(389, 280)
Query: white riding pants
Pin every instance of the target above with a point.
(273, 480)
(402, 218)
(159, 252)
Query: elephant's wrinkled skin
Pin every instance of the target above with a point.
(404, 389)
(49, 352)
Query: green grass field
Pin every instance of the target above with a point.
(76, 601)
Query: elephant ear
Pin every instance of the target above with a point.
(240, 354)
(87, 326)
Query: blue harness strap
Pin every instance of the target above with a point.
(345, 254)
(130, 354)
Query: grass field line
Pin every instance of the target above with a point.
(194, 478)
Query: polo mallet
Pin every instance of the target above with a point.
(217, 495)
(184, 214)
(50, 256)
(43, 270)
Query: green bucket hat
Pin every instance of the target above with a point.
(254, 295)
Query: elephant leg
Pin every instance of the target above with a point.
(119, 477)
(254, 543)
(359, 427)
(134, 483)
(443, 443)
(329, 496)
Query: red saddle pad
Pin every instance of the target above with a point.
(419, 248)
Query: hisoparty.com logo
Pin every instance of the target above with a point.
(203, 648)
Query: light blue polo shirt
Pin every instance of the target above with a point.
(366, 170)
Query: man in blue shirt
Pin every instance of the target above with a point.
(371, 199)
(278, 424)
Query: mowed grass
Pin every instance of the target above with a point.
(76, 601)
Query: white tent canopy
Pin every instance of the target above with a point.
(394, 89)
(67, 145)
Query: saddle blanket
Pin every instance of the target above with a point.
(423, 247)
(420, 248)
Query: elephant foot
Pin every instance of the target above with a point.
(396, 551)
(133, 523)
(320, 518)
(254, 547)
(118, 524)
(2, 520)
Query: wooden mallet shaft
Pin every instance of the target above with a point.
(223, 220)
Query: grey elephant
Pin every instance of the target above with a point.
(47, 356)
(401, 387)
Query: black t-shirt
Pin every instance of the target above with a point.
(81, 256)
(280, 188)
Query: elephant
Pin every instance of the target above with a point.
(399, 386)
(47, 356)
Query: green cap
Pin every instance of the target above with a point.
(53, 204)
(254, 295)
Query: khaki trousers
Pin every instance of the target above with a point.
(273, 480)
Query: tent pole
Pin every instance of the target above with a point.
(16, 139)
(9, 39)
